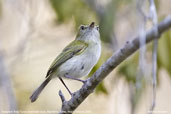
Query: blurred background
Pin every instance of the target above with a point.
(34, 32)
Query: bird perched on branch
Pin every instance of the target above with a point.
(76, 60)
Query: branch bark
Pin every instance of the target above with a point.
(117, 58)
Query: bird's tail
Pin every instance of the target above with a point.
(36, 93)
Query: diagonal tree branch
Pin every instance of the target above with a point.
(122, 54)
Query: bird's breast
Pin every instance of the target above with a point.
(81, 65)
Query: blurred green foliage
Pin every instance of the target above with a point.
(83, 13)
(0, 8)
(164, 52)
(67, 10)
(107, 21)
(129, 68)
(101, 88)
(157, 4)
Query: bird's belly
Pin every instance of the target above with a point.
(76, 67)
(79, 65)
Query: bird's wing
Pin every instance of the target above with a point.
(74, 48)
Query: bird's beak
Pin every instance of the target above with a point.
(92, 25)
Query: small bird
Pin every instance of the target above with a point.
(76, 60)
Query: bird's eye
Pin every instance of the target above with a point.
(82, 27)
(97, 27)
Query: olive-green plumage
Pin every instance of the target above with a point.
(76, 60)
(74, 48)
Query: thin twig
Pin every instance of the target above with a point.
(142, 34)
(6, 86)
(153, 15)
(61, 96)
